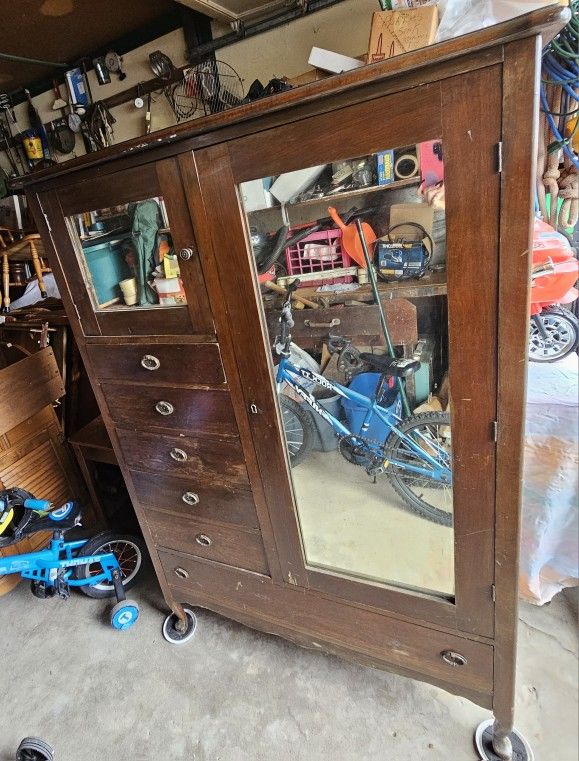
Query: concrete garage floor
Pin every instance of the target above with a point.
(355, 526)
(232, 694)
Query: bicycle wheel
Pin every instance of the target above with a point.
(298, 429)
(129, 553)
(428, 498)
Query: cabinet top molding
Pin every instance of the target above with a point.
(320, 96)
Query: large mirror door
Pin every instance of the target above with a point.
(374, 274)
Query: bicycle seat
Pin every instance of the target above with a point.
(398, 368)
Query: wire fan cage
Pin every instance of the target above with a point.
(207, 88)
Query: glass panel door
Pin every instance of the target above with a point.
(127, 256)
(358, 327)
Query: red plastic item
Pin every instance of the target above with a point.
(319, 252)
(554, 287)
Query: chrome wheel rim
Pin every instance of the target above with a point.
(129, 557)
(560, 338)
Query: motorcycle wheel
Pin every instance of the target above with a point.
(562, 328)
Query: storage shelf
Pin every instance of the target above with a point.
(330, 199)
(431, 285)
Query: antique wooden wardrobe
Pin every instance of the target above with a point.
(186, 389)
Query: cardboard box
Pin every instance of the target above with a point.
(395, 32)
(312, 75)
(420, 213)
(385, 167)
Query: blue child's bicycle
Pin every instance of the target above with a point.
(413, 453)
(104, 566)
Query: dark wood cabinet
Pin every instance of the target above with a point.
(185, 382)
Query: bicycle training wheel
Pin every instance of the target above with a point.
(423, 495)
(298, 429)
(127, 549)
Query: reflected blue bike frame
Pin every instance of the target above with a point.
(437, 470)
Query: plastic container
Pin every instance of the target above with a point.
(319, 252)
(367, 384)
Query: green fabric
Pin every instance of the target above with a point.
(147, 220)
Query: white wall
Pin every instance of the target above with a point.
(280, 52)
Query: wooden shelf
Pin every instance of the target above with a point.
(330, 199)
(431, 285)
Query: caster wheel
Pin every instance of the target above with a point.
(124, 614)
(34, 749)
(173, 635)
(483, 741)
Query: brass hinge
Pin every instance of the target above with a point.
(494, 592)
(500, 156)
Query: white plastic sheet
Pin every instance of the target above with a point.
(464, 16)
(550, 530)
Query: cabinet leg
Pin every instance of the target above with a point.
(498, 742)
(502, 744)
(180, 625)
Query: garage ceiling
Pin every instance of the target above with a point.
(66, 30)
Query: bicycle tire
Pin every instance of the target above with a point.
(400, 479)
(100, 543)
(302, 425)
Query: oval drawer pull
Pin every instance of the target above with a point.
(178, 454)
(190, 498)
(203, 540)
(150, 362)
(453, 659)
(164, 408)
(181, 573)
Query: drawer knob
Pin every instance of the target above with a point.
(181, 573)
(203, 540)
(178, 454)
(190, 498)
(453, 659)
(150, 362)
(186, 254)
(165, 408)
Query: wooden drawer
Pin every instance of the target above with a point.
(210, 460)
(187, 364)
(318, 620)
(195, 498)
(190, 410)
(223, 544)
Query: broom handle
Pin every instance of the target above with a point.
(374, 286)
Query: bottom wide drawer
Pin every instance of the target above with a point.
(316, 619)
(224, 544)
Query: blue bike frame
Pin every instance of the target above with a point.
(45, 564)
(438, 470)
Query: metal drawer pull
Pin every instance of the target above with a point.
(178, 454)
(181, 573)
(203, 540)
(150, 362)
(165, 408)
(453, 659)
(186, 253)
(190, 498)
(309, 324)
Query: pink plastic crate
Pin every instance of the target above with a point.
(319, 252)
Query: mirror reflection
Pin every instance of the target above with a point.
(350, 258)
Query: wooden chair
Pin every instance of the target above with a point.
(20, 249)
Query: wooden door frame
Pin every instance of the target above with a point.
(160, 178)
(220, 170)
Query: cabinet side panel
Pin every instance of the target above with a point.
(520, 110)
